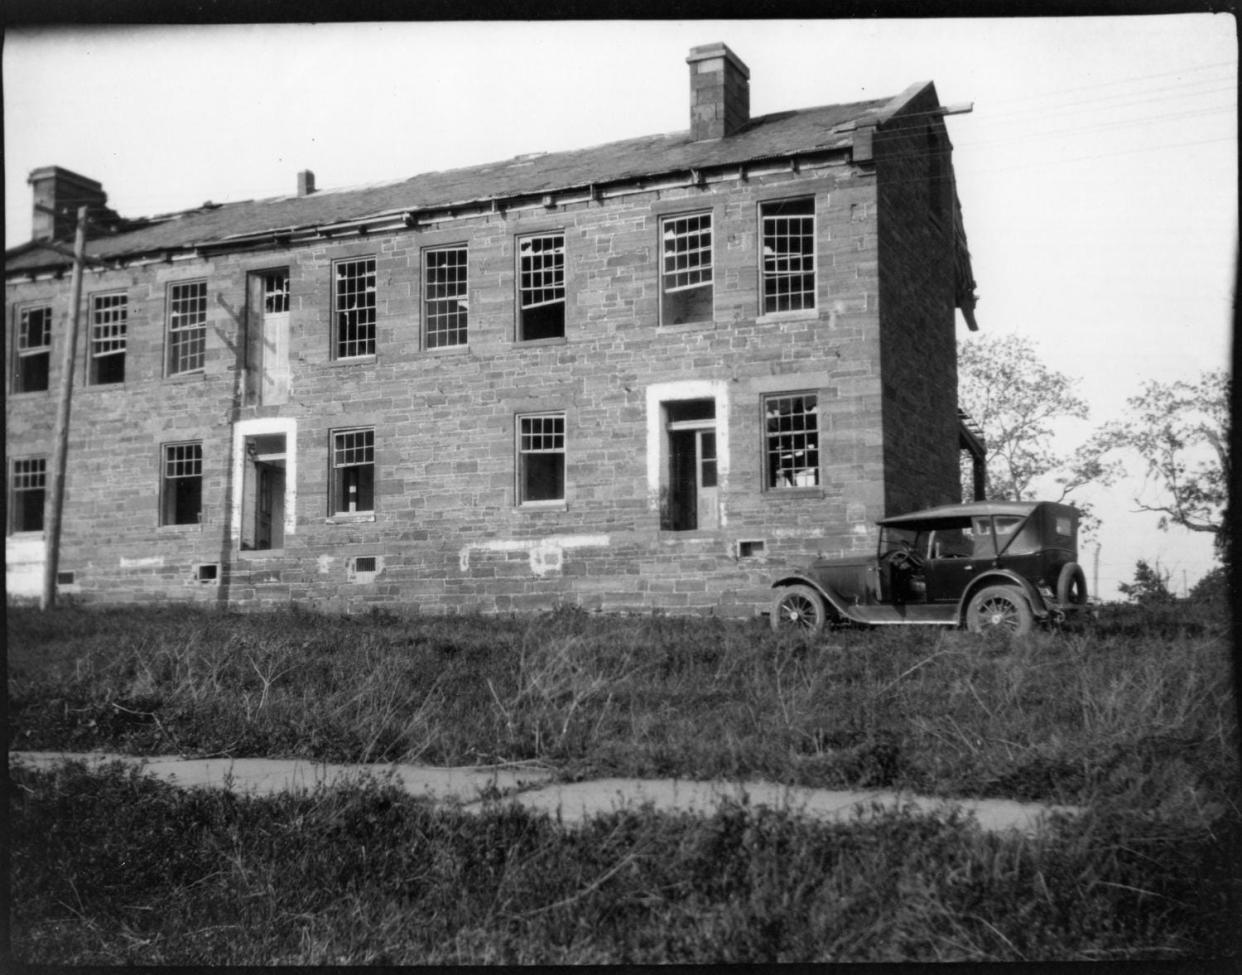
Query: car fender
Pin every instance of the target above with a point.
(835, 603)
(1003, 577)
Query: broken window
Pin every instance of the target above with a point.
(28, 486)
(792, 440)
(353, 472)
(182, 484)
(34, 349)
(541, 287)
(686, 277)
(445, 306)
(187, 327)
(355, 306)
(109, 324)
(541, 458)
(788, 228)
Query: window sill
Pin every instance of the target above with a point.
(17, 394)
(534, 507)
(688, 326)
(803, 315)
(794, 493)
(354, 360)
(345, 518)
(462, 349)
(197, 375)
(534, 343)
(180, 529)
(260, 553)
(21, 536)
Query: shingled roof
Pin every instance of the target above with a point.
(775, 136)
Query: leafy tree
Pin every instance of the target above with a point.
(1212, 588)
(1181, 432)
(1150, 585)
(1015, 398)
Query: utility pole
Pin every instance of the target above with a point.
(60, 434)
(1095, 572)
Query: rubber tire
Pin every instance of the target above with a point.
(987, 606)
(1072, 585)
(798, 608)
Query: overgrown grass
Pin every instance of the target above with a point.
(1134, 717)
(1133, 720)
(110, 867)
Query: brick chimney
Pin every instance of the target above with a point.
(719, 92)
(306, 183)
(62, 191)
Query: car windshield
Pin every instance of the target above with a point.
(901, 539)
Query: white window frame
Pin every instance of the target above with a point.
(355, 310)
(540, 277)
(343, 456)
(685, 265)
(791, 437)
(187, 328)
(23, 474)
(176, 467)
(543, 441)
(25, 351)
(771, 232)
(109, 336)
(446, 298)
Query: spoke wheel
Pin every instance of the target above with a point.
(798, 609)
(999, 609)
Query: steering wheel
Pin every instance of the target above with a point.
(906, 559)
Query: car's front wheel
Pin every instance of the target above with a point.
(1002, 608)
(798, 609)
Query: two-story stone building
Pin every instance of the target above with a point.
(634, 376)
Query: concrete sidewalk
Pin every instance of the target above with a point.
(472, 788)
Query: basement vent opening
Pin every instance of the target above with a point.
(208, 573)
(364, 568)
(64, 578)
(751, 548)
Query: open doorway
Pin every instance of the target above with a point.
(263, 492)
(689, 492)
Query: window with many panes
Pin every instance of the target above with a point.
(353, 472)
(541, 458)
(355, 296)
(445, 305)
(541, 287)
(181, 488)
(788, 271)
(34, 349)
(187, 327)
(686, 269)
(28, 486)
(109, 325)
(792, 440)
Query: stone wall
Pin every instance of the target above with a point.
(447, 533)
(917, 320)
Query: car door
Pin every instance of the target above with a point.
(952, 564)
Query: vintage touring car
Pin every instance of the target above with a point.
(984, 565)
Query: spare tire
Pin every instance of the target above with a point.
(1071, 585)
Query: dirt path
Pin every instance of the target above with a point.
(530, 786)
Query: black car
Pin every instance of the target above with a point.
(983, 565)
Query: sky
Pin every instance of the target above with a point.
(1097, 168)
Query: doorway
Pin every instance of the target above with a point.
(690, 495)
(263, 493)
